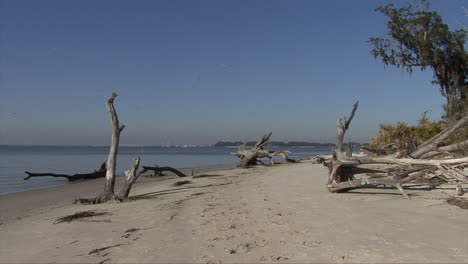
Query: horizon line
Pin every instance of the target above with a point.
(174, 145)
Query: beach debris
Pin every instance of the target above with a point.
(396, 169)
(100, 173)
(250, 157)
(158, 171)
(130, 175)
(79, 215)
(459, 189)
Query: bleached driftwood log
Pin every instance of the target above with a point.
(249, 157)
(393, 170)
(100, 173)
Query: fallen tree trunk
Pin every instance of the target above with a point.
(250, 157)
(100, 173)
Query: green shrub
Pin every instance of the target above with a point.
(404, 136)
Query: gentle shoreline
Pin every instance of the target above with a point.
(28, 201)
(71, 160)
(265, 214)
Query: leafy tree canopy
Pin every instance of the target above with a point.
(419, 38)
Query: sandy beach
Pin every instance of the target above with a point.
(265, 214)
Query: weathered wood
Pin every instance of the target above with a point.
(114, 148)
(459, 189)
(393, 169)
(433, 143)
(446, 149)
(319, 159)
(112, 160)
(342, 126)
(100, 173)
(250, 157)
(454, 173)
(350, 185)
(158, 170)
(377, 160)
(263, 140)
(130, 177)
(349, 151)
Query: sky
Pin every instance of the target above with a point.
(197, 72)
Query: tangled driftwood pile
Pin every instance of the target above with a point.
(399, 168)
(249, 157)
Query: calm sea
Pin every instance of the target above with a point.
(14, 160)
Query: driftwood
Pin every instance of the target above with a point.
(396, 169)
(130, 176)
(157, 171)
(100, 173)
(433, 143)
(111, 161)
(249, 157)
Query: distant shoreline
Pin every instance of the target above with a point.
(220, 144)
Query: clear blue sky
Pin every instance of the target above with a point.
(195, 72)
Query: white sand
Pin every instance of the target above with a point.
(266, 214)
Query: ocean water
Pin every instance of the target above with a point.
(14, 160)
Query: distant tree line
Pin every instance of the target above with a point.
(277, 144)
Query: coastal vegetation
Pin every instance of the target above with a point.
(431, 152)
(393, 138)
